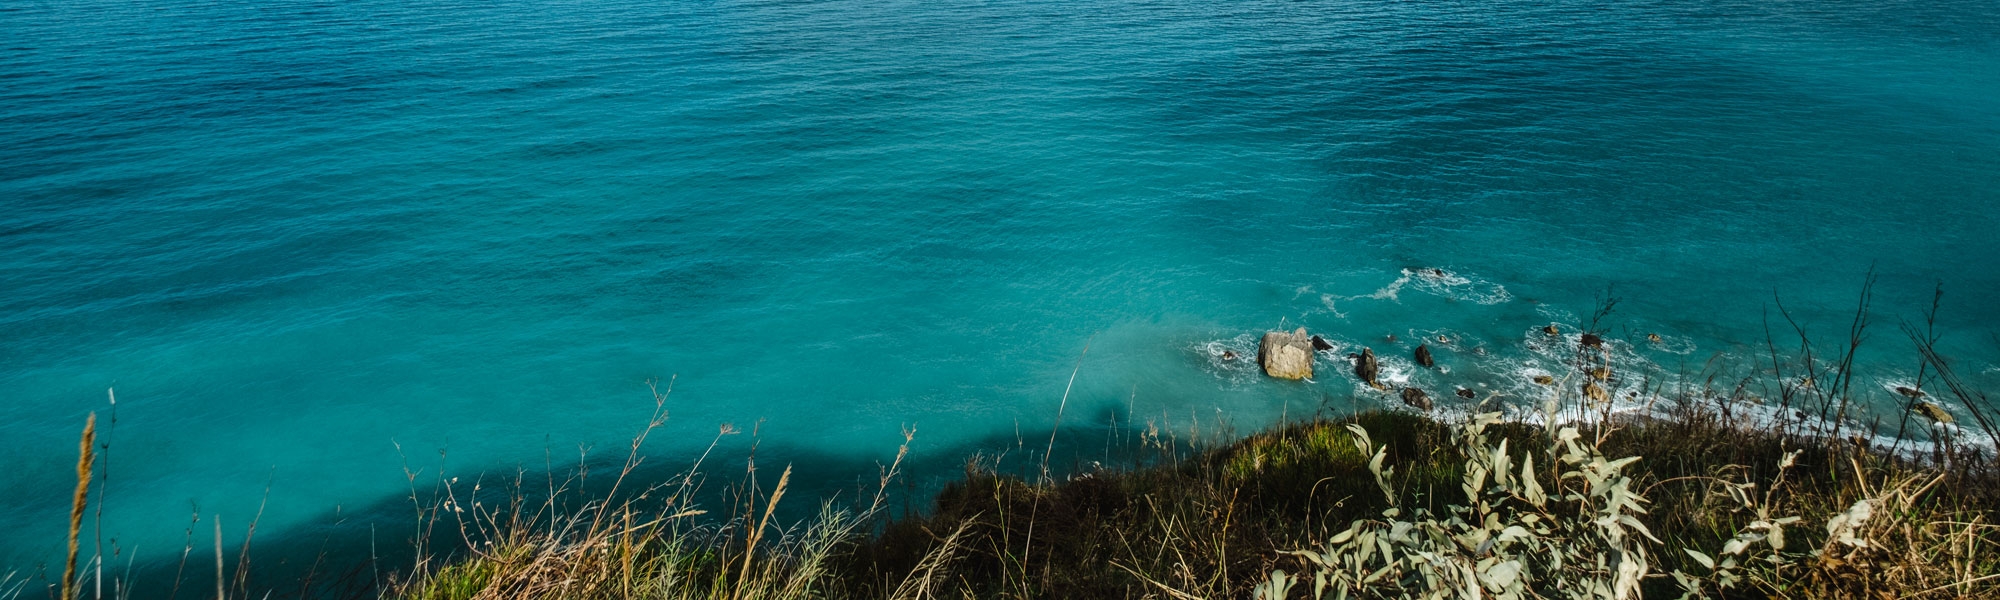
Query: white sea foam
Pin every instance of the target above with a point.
(1627, 399)
(1395, 371)
(1889, 384)
(1442, 283)
(1388, 292)
(1449, 339)
(1677, 344)
(1554, 314)
(1242, 369)
(1456, 286)
(1327, 300)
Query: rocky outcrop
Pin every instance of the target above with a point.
(1424, 358)
(1286, 355)
(1366, 368)
(1320, 343)
(1933, 412)
(1416, 398)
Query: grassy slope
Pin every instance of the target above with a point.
(1215, 524)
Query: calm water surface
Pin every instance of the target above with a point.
(307, 242)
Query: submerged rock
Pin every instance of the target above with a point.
(1552, 329)
(1320, 343)
(1286, 355)
(1228, 355)
(1424, 356)
(1592, 340)
(1416, 398)
(1467, 393)
(1545, 380)
(1910, 393)
(1653, 337)
(1366, 368)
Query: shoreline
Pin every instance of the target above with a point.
(1155, 464)
(1292, 485)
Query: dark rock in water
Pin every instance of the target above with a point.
(1552, 330)
(1592, 340)
(1653, 337)
(1467, 393)
(1545, 380)
(1416, 398)
(1367, 368)
(1320, 343)
(1286, 355)
(1909, 392)
(1228, 355)
(1424, 356)
(1391, 338)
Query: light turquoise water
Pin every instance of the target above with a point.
(293, 235)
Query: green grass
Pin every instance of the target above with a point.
(1221, 522)
(1216, 525)
(1386, 504)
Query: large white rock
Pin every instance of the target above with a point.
(1286, 355)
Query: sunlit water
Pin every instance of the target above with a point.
(296, 237)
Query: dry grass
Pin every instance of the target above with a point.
(1696, 502)
(654, 544)
(1217, 523)
(86, 455)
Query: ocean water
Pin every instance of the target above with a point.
(312, 243)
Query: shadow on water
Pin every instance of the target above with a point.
(348, 553)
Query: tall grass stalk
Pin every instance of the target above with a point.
(86, 455)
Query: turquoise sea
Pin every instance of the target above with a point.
(311, 242)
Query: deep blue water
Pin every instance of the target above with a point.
(293, 235)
